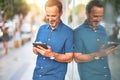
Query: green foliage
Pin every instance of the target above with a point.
(12, 7)
(80, 7)
(115, 3)
(117, 6)
(21, 7)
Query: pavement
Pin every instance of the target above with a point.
(19, 64)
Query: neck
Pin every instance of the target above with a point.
(53, 27)
(94, 28)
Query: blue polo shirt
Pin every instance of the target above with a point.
(88, 41)
(61, 42)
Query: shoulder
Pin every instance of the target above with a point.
(101, 27)
(79, 28)
(43, 26)
(66, 28)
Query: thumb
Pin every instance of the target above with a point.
(49, 47)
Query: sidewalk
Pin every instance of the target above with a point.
(19, 64)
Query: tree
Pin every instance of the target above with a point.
(12, 7)
(115, 3)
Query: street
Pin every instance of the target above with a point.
(19, 64)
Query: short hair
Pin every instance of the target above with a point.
(92, 3)
(57, 3)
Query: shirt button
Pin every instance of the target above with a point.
(105, 67)
(102, 58)
(43, 58)
(49, 39)
(40, 75)
(98, 39)
(105, 75)
(41, 67)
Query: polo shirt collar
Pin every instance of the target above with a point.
(88, 25)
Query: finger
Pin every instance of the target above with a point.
(49, 47)
(40, 47)
(109, 48)
(112, 49)
(35, 52)
(40, 51)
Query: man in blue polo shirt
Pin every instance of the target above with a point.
(90, 40)
(52, 62)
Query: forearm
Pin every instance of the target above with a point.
(67, 58)
(79, 57)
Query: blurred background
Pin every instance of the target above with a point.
(23, 18)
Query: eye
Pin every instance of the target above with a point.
(53, 16)
(47, 15)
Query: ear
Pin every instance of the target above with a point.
(87, 14)
(61, 13)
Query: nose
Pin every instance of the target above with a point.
(99, 18)
(49, 18)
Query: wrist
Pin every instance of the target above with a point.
(95, 56)
(52, 56)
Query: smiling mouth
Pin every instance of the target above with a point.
(52, 24)
(52, 21)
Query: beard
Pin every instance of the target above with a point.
(53, 24)
(94, 23)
